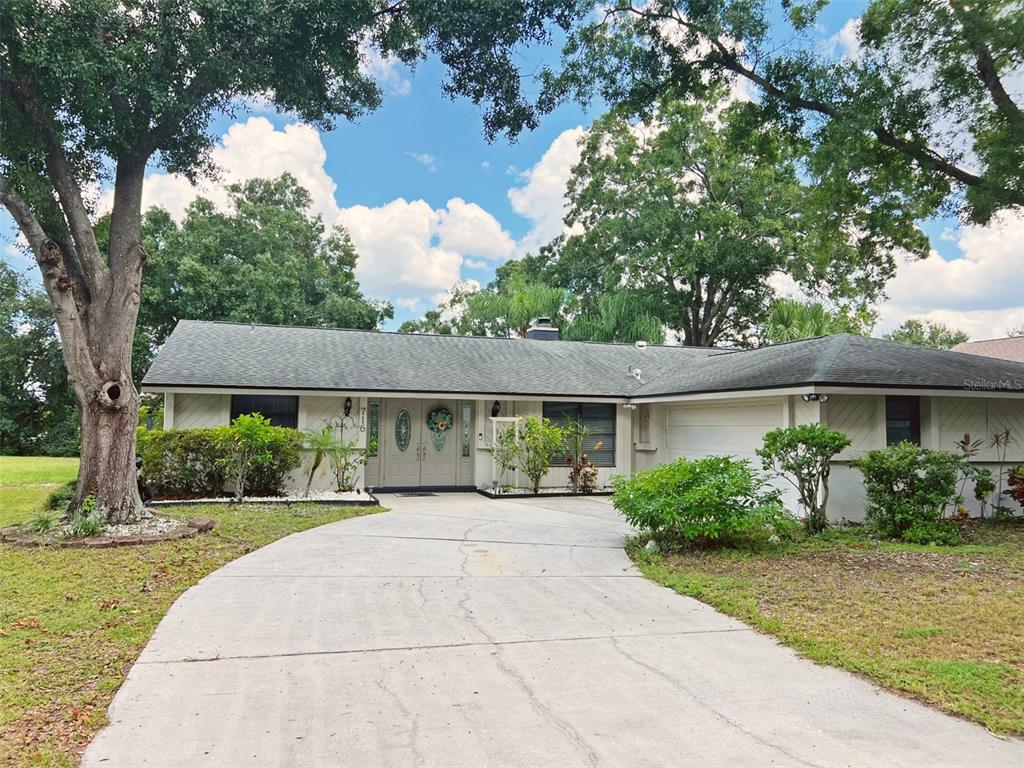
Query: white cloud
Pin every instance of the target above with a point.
(475, 263)
(389, 73)
(413, 305)
(979, 292)
(410, 249)
(485, 165)
(468, 228)
(424, 159)
(253, 149)
(846, 42)
(541, 198)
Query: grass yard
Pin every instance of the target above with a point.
(26, 480)
(73, 621)
(945, 625)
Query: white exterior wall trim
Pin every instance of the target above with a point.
(376, 393)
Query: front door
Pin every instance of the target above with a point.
(414, 455)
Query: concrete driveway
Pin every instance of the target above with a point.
(459, 631)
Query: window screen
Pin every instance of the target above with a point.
(598, 418)
(282, 410)
(902, 419)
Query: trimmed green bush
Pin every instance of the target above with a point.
(702, 501)
(267, 477)
(192, 463)
(182, 463)
(803, 456)
(907, 488)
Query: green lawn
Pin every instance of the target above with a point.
(72, 621)
(25, 481)
(939, 624)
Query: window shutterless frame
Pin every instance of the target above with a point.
(282, 410)
(600, 421)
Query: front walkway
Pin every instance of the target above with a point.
(459, 631)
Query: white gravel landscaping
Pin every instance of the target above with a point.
(319, 497)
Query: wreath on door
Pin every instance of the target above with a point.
(439, 422)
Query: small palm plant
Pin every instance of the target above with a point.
(322, 444)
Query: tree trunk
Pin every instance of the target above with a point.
(107, 470)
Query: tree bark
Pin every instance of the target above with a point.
(107, 468)
(96, 323)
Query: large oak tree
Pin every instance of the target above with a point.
(698, 210)
(95, 91)
(920, 117)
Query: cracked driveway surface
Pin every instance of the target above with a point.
(460, 631)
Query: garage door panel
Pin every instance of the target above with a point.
(721, 430)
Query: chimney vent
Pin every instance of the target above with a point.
(542, 329)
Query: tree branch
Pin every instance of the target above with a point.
(914, 148)
(64, 183)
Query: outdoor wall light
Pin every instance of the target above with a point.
(813, 397)
(348, 405)
(495, 409)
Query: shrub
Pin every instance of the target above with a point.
(244, 446)
(506, 450)
(908, 487)
(803, 456)
(267, 478)
(192, 463)
(182, 463)
(87, 521)
(59, 499)
(1015, 480)
(711, 500)
(540, 443)
(931, 532)
(83, 525)
(582, 472)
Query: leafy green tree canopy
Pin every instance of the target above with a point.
(921, 114)
(696, 210)
(923, 333)
(502, 309)
(100, 90)
(37, 406)
(266, 260)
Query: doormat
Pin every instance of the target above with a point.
(416, 493)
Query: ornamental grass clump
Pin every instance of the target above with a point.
(715, 500)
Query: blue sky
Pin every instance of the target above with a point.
(428, 201)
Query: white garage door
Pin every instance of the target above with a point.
(736, 428)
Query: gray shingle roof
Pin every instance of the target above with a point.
(213, 354)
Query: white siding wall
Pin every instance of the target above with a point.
(200, 411)
(944, 420)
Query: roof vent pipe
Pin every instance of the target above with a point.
(542, 329)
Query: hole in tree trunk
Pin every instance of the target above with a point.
(113, 391)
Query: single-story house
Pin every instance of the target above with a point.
(1007, 348)
(645, 404)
